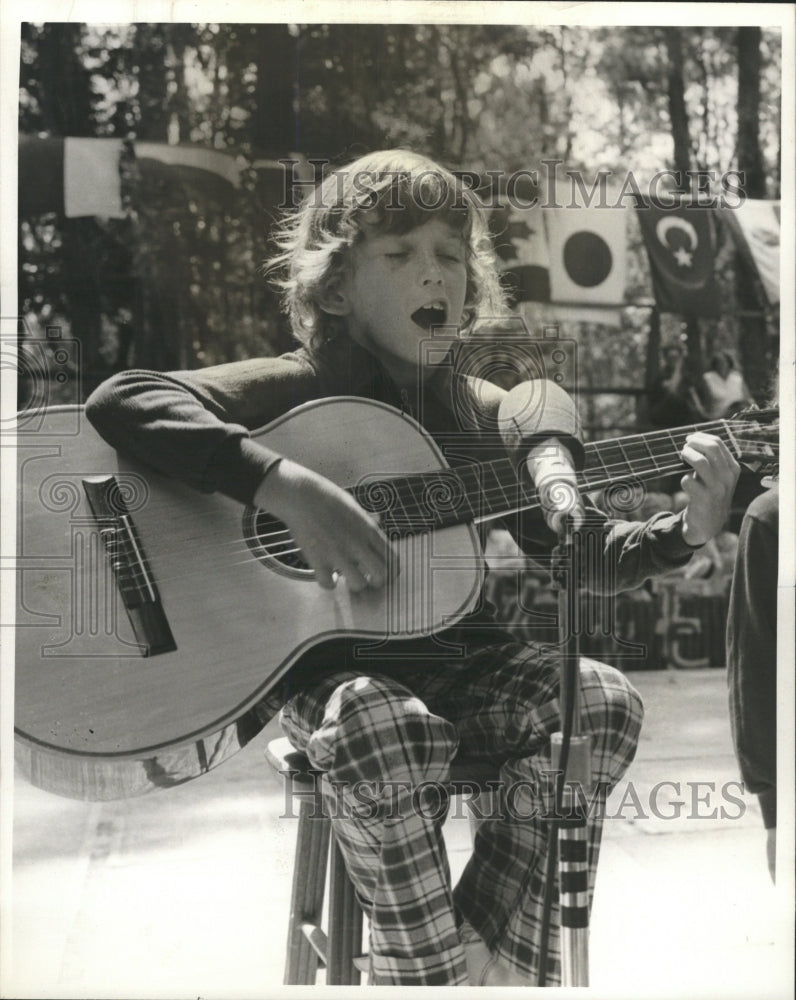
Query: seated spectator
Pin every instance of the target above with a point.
(725, 391)
(673, 396)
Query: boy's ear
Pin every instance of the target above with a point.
(333, 298)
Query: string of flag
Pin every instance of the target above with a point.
(578, 256)
(79, 177)
(574, 258)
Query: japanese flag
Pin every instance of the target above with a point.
(588, 263)
(588, 255)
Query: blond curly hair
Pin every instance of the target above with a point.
(390, 191)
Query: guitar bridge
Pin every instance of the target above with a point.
(128, 561)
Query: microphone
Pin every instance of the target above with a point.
(538, 422)
(552, 470)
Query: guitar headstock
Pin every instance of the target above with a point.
(754, 436)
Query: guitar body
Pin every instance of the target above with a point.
(98, 718)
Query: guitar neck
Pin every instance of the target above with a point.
(644, 456)
(488, 490)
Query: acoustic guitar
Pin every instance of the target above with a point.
(151, 619)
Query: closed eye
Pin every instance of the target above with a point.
(451, 251)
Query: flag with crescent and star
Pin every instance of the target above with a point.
(681, 246)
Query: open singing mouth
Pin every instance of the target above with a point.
(431, 315)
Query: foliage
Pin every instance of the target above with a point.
(179, 284)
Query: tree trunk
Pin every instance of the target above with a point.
(753, 339)
(275, 127)
(66, 87)
(750, 158)
(83, 279)
(651, 368)
(677, 110)
(66, 111)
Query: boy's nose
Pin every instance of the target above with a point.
(431, 272)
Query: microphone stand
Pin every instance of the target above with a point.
(571, 756)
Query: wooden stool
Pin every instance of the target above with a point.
(339, 950)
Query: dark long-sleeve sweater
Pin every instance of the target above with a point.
(752, 651)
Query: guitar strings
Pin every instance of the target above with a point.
(136, 577)
(413, 507)
(266, 539)
(409, 500)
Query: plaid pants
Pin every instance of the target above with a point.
(384, 730)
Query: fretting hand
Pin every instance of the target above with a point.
(709, 486)
(335, 535)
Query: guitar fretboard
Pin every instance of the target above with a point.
(487, 490)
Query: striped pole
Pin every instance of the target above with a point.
(571, 754)
(573, 863)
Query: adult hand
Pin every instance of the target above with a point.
(335, 535)
(709, 486)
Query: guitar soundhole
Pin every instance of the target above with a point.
(271, 542)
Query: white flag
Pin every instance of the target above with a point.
(92, 184)
(756, 228)
(588, 259)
